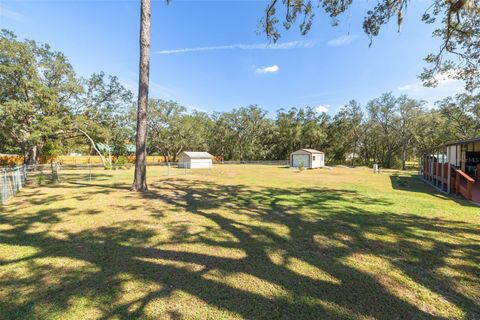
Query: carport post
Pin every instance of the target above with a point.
(449, 176)
(436, 169)
(443, 168)
(431, 168)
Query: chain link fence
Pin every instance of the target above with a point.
(11, 181)
(90, 172)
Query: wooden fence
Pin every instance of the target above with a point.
(92, 159)
(10, 160)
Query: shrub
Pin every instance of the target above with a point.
(121, 161)
(301, 166)
(40, 178)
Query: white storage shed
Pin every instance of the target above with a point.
(310, 158)
(195, 160)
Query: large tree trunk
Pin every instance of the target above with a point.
(31, 156)
(177, 154)
(140, 178)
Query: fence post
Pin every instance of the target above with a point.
(4, 187)
(19, 180)
(16, 177)
(54, 173)
(14, 181)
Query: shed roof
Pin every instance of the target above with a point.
(309, 151)
(197, 155)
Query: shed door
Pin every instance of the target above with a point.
(201, 163)
(299, 158)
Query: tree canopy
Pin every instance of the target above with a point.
(43, 103)
(37, 86)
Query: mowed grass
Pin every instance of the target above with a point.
(239, 242)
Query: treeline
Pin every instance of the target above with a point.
(45, 109)
(388, 130)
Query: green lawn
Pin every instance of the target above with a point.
(251, 242)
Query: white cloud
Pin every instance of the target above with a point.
(10, 14)
(245, 46)
(271, 69)
(445, 82)
(193, 108)
(409, 87)
(446, 77)
(447, 86)
(322, 109)
(341, 41)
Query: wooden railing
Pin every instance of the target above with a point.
(460, 188)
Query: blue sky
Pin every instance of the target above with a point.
(208, 55)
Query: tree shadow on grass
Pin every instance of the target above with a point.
(256, 253)
(413, 183)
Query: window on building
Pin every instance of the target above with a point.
(313, 158)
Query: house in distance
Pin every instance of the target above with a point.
(195, 160)
(310, 158)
